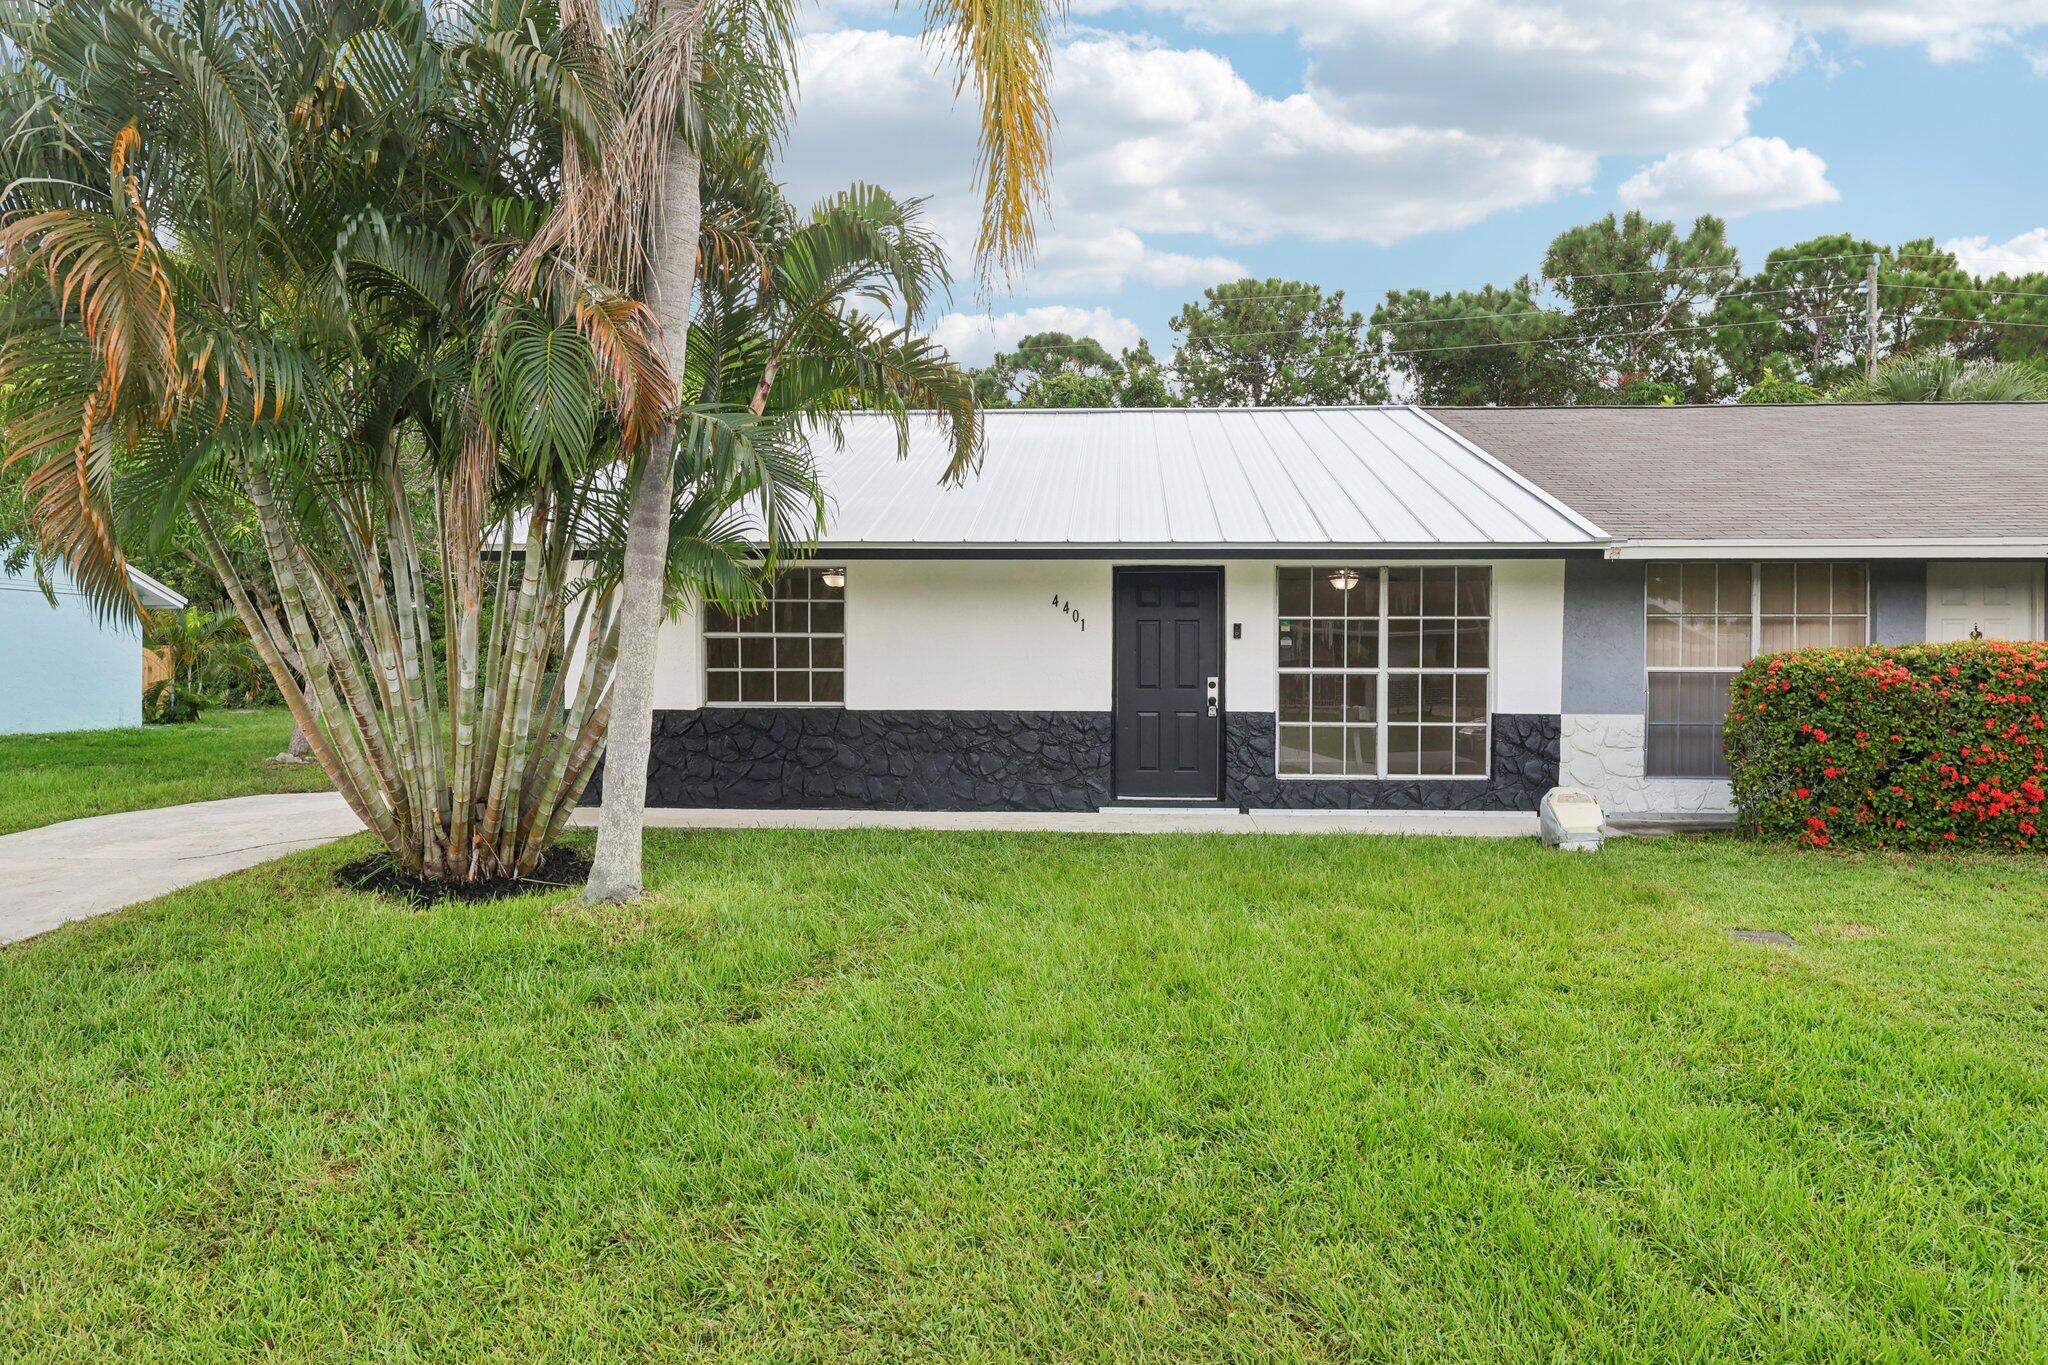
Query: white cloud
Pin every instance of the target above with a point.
(1414, 116)
(1949, 30)
(1605, 75)
(1175, 140)
(2022, 254)
(974, 338)
(1601, 75)
(1155, 141)
(1750, 175)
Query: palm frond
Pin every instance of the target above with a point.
(1003, 48)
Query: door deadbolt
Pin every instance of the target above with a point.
(1215, 691)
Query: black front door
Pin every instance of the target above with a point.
(1168, 702)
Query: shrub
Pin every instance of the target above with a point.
(169, 702)
(1913, 746)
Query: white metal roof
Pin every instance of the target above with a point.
(153, 594)
(1071, 479)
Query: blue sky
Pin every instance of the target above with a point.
(1376, 144)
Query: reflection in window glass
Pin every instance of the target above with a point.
(789, 651)
(1384, 672)
(1702, 622)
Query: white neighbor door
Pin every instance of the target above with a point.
(2003, 600)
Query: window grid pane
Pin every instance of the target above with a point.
(1329, 672)
(1702, 622)
(789, 651)
(1388, 676)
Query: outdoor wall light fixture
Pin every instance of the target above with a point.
(1343, 580)
(835, 578)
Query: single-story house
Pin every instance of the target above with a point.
(1338, 608)
(61, 666)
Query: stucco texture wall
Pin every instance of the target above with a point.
(60, 667)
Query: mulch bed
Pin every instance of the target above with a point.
(379, 875)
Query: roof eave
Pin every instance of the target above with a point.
(1201, 550)
(155, 595)
(1980, 547)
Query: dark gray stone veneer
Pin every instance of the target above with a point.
(825, 758)
(1525, 765)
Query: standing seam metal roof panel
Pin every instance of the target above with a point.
(1167, 477)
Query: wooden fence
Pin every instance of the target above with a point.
(156, 666)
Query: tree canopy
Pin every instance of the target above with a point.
(1626, 309)
(1272, 342)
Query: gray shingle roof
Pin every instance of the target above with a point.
(1881, 471)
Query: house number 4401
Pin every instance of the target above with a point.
(1073, 613)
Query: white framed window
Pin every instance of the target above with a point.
(1385, 672)
(1702, 622)
(789, 651)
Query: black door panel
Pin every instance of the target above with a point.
(1168, 645)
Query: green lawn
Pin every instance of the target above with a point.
(910, 1095)
(47, 778)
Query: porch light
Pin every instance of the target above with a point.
(1343, 580)
(835, 578)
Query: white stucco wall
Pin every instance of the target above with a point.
(949, 635)
(985, 635)
(977, 635)
(1251, 667)
(1528, 636)
(61, 668)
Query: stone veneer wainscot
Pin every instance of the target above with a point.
(1605, 755)
(826, 758)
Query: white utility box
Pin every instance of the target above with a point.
(1571, 820)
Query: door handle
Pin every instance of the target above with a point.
(1215, 691)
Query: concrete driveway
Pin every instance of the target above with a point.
(59, 873)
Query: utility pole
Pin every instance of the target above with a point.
(1870, 301)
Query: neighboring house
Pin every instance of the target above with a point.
(1338, 608)
(61, 666)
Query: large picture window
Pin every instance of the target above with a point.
(1385, 672)
(790, 651)
(1704, 621)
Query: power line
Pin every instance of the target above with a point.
(1610, 336)
(1968, 289)
(1462, 317)
(1653, 270)
(1476, 345)
(1595, 336)
(1654, 331)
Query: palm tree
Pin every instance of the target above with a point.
(1938, 378)
(655, 159)
(315, 292)
(280, 299)
(811, 317)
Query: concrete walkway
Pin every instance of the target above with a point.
(59, 873)
(1119, 820)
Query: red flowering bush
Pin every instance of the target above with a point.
(1910, 746)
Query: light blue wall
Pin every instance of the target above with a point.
(1603, 627)
(1898, 602)
(1603, 637)
(60, 668)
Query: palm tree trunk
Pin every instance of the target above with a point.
(672, 278)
